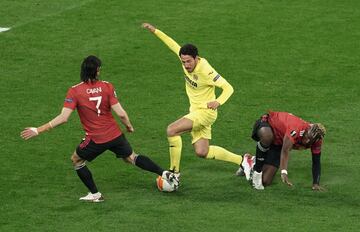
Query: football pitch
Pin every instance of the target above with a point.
(296, 56)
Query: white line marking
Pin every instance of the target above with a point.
(3, 29)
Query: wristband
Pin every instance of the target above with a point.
(284, 171)
(34, 129)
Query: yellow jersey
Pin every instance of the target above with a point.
(201, 82)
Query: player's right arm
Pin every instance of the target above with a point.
(175, 47)
(63, 117)
(284, 159)
(121, 113)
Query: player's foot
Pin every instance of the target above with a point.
(257, 180)
(240, 171)
(176, 174)
(171, 177)
(247, 165)
(93, 197)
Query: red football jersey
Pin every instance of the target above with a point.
(93, 102)
(287, 124)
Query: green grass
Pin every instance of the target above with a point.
(296, 56)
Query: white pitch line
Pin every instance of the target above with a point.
(3, 29)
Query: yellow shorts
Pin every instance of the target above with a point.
(202, 121)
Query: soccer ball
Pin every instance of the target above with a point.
(165, 185)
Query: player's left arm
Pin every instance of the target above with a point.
(284, 159)
(316, 166)
(121, 113)
(227, 91)
(63, 117)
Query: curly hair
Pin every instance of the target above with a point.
(316, 132)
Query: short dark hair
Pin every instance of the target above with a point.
(189, 49)
(89, 68)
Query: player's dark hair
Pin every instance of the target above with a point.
(316, 132)
(89, 68)
(189, 49)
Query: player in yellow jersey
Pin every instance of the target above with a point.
(200, 82)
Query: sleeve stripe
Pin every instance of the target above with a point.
(216, 77)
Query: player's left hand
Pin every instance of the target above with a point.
(318, 188)
(29, 132)
(213, 105)
(285, 179)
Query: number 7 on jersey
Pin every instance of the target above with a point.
(98, 102)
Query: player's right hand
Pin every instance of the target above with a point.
(285, 179)
(29, 132)
(149, 27)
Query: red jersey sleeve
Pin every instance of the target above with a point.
(113, 97)
(70, 100)
(316, 147)
(291, 134)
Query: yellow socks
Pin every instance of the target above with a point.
(175, 145)
(220, 153)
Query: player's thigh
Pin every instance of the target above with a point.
(179, 126)
(121, 147)
(202, 121)
(272, 162)
(202, 118)
(89, 150)
(273, 155)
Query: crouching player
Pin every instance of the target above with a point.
(276, 133)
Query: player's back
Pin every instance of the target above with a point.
(286, 124)
(93, 102)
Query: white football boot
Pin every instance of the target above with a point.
(171, 177)
(93, 197)
(176, 175)
(257, 180)
(246, 166)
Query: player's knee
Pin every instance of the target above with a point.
(267, 181)
(130, 159)
(266, 136)
(77, 161)
(268, 175)
(201, 152)
(170, 131)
